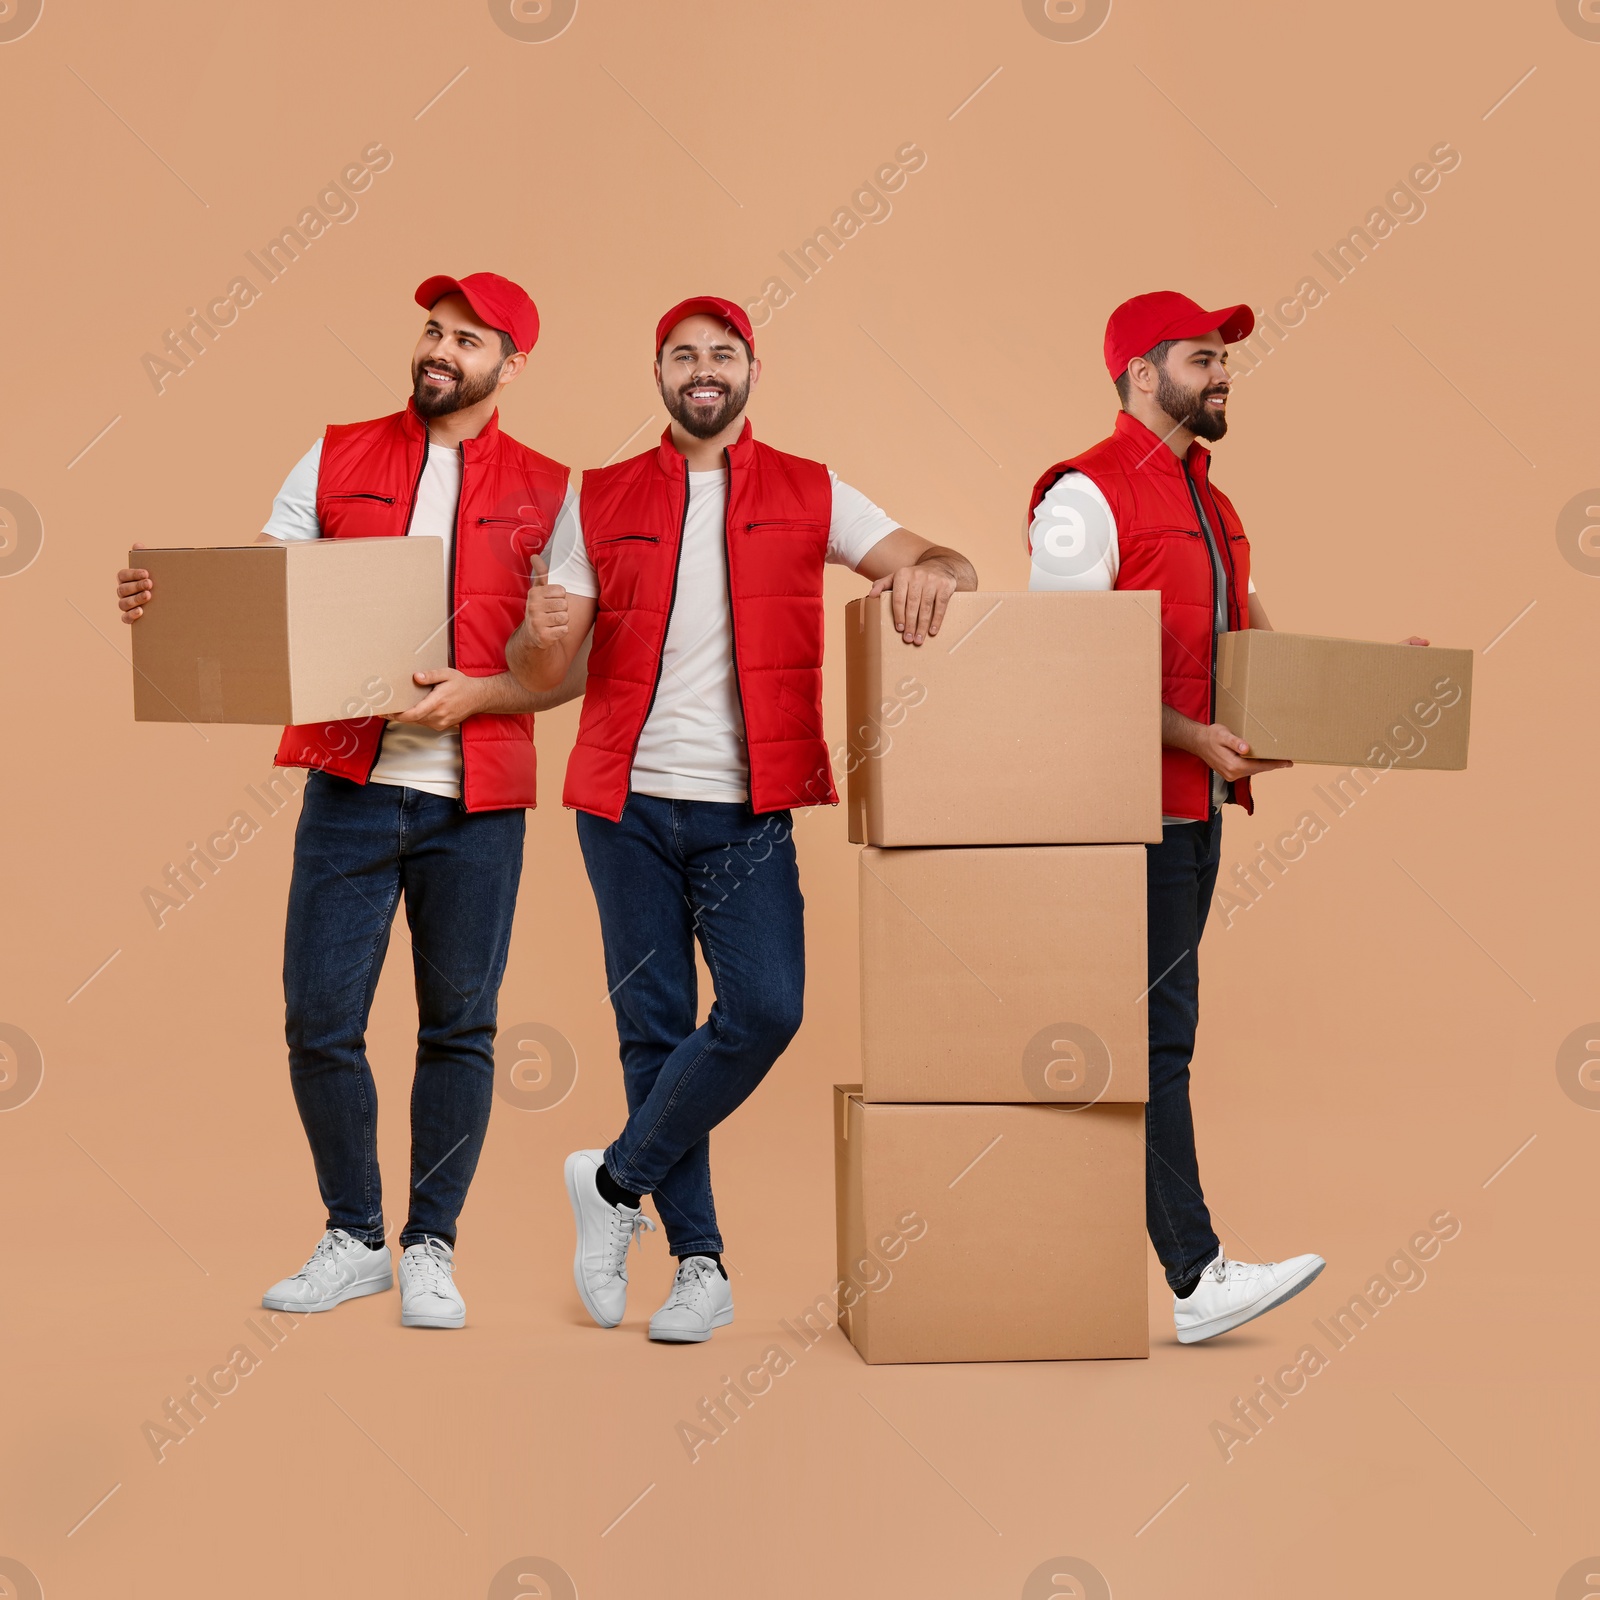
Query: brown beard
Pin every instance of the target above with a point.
(467, 392)
(1189, 410)
(678, 407)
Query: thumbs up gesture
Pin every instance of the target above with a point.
(546, 609)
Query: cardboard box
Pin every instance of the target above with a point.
(1011, 973)
(312, 631)
(990, 1233)
(1345, 702)
(1030, 719)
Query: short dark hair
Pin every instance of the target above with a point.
(1156, 356)
(508, 345)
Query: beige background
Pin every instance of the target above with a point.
(1380, 1030)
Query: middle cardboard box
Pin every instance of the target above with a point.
(1005, 974)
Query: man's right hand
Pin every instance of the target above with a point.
(134, 589)
(1226, 753)
(546, 612)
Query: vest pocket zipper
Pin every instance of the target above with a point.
(799, 524)
(362, 494)
(636, 538)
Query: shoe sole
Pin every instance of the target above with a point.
(354, 1292)
(570, 1173)
(720, 1320)
(433, 1322)
(1237, 1319)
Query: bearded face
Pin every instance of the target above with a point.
(439, 386)
(1202, 411)
(704, 403)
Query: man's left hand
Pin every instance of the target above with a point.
(918, 597)
(452, 698)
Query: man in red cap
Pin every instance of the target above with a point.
(427, 802)
(1139, 511)
(699, 566)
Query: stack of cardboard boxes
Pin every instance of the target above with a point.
(1004, 778)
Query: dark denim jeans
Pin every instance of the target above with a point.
(358, 847)
(671, 872)
(1180, 874)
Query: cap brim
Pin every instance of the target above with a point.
(699, 308)
(432, 290)
(1232, 322)
(1236, 323)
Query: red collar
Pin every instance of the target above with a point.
(674, 463)
(479, 449)
(1155, 454)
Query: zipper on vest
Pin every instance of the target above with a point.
(377, 749)
(733, 632)
(672, 600)
(1213, 561)
(624, 538)
(362, 494)
(450, 601)
(1239, 601)
(455, 566)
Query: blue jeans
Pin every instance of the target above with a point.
(1180, 874)
(357, 848)
(669, 873)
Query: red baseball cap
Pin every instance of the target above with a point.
(709, 305)
(1140, 324)
(497, 302)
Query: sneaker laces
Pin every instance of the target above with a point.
(1222, 1269)
(621, 1231)
(321, 1263)
(691, 1278)
(430, 1269)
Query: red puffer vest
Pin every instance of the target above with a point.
(1161, 547)
(510, 499)
(779, 511)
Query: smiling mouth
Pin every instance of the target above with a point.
(437, 376)
(704, 394)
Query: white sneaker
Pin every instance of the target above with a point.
(340, 1269)
(600, 1263)
(428, 1294)
(701, 1299)
(1232, 1292)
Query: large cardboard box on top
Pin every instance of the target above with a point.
(312, 631)
(990, 1233)
(1005, 973)
(1029, 719)
(1345, 702)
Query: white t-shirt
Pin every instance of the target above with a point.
(410, 757)
(1073, 544)
(692, 746)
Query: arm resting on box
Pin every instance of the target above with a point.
(920, 577)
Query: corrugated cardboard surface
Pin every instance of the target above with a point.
(306, 632)
(1012, 973)
(1030, 719)
(990, 1233)
(1345, 702)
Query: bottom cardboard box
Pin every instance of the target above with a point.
(990, 1232)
